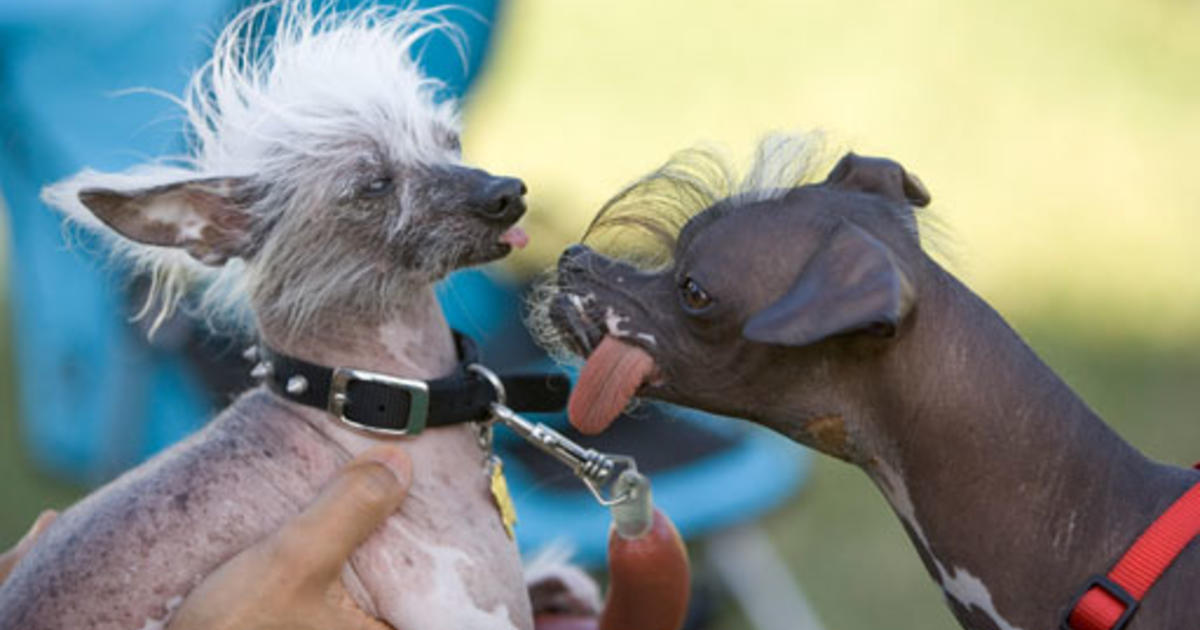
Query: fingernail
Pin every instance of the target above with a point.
(395, 459)
(43, 521)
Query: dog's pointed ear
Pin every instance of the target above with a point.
(207, 218)
(852, 284)
(879, 176)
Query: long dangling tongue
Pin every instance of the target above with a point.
(608, 380)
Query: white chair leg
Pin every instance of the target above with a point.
(748, 564)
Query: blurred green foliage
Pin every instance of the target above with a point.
(24, 492)
(1057, 138)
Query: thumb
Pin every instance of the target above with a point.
(9, 559)
(349, 509)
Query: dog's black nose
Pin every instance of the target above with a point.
(575, 252)
(500, 199)
(574, 259)
(573, 255)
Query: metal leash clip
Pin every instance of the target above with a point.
(598, 471)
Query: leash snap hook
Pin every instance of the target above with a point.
(610, 487)
(598, 471)
(612, 479)
(485, 427)
(494, 381)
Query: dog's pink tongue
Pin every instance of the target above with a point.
(515, 236)
(608, 380)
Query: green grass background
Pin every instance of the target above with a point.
(1058, 140)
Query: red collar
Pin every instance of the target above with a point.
(1109, 601)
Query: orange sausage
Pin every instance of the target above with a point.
(649, 580)
(649, 584)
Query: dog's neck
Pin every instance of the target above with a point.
(416, 343)
(448, 513)
(1012, 489)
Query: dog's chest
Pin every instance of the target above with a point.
(122, 557)
(445, 561)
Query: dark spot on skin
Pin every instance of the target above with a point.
(267, 453)
(180, 501)
(408, 561)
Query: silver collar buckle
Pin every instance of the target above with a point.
(418, 399)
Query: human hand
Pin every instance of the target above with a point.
(9, 558)
(292, 578)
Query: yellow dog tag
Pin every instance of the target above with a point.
(504, 502)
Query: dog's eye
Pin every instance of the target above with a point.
(695, 298)
(377, 187)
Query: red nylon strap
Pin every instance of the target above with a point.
(1142, 564)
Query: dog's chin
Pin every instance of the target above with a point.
(494, 246)
(492, 254)
(481, 255)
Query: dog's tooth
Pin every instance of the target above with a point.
(250, 353)
(580, 302)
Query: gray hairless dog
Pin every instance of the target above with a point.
(811, 308)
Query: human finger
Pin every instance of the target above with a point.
(9, 559)
(351, 507)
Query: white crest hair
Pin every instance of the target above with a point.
(291, 94)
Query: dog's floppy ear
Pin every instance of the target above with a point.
(207, 218)
(879, 176)
(852, 284)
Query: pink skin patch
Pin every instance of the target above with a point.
(515, 236)
(607, 382)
